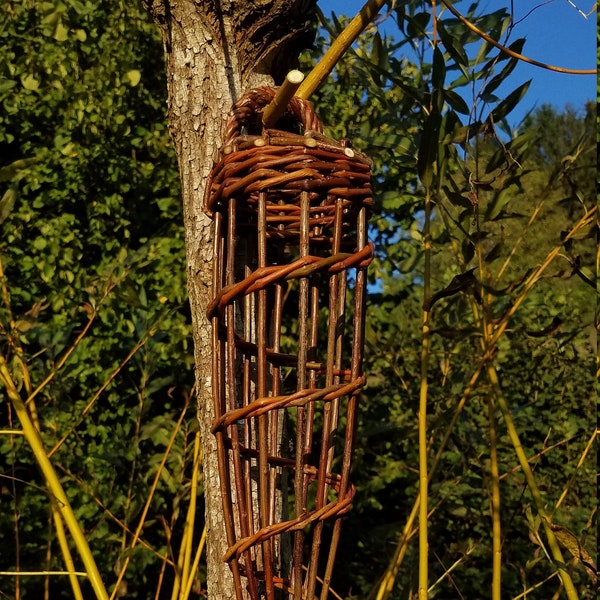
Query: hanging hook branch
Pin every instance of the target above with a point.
(316, 77)
(284, 94)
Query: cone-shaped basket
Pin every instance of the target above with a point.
(290, 210)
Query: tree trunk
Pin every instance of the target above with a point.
(214, 51)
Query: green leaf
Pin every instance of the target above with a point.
(392, 200)
(453, 46)
(456, 102)
(461, 134)
(134, 77)
(377, 56)
(494, 253)
(61, 33)
(60, 141)
(417, 24)
(463, 282)
(498, 79)
(7, 203)
(468, 250)
(438, 74)
(509, 102)
(9, 172)
(401, 144)
(68, 149)
(6, 84)
(29, 82)
(428, 148)
(457, 198)
(40, 243)
(495, 208)
(517, 147)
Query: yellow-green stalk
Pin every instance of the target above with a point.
(328, 61)
(582, 458)
(495, 506)
(586, 220)
(188, 588)
(55, 488)
(65, 551)
(423, 391)
(531, 483)
(149, 499)
(385, 585)
(183, 574)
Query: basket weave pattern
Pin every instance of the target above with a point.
(290, 212)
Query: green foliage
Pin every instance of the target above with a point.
(504, 201)
(91, 235)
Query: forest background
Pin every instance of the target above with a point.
(95, 329)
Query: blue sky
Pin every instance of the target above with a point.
(556, 33)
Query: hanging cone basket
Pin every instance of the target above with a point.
(290, 209)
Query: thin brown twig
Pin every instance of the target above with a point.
(111, 515)
(510, 52)
(95, 397)
(144, 514)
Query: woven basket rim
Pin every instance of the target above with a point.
(248, 110)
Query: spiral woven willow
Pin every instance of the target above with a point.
(290, 209)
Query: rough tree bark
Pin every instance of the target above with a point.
(214, 51)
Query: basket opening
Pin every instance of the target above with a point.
(253, 125)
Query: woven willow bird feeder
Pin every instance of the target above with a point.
(290, 210)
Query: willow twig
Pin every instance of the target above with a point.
(284, 94)
(531, 484)
(106, 383)
(183, 574)
(582, 458)
(188, 588)
(65, 550)
(35, 442)
(340, 45)
(423, 475)
(386, 583)
(149, 499)
(510, 52)
(496, 523)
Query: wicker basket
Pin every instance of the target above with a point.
(290, 209)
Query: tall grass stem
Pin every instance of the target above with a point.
(52, 481)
